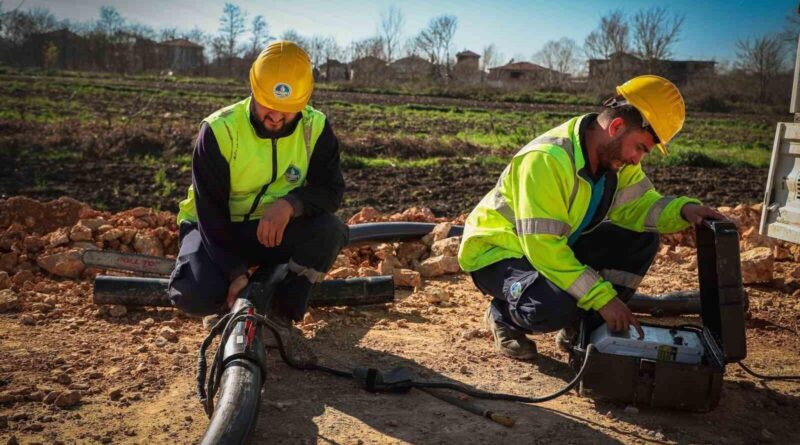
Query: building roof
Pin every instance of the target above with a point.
(411, 60)
(467, 53)
(519, 66)
(368, 59)
(333, 62)
(186, 43)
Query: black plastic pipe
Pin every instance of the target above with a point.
(394, 231)
(139, 291)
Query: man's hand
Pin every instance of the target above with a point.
(695, 214)
(235, 288)
(619, 317)
(273, 222)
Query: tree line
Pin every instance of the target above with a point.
(649, 34)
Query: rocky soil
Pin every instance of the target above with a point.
(75, 372)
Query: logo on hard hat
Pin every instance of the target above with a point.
(282, 90)
(292, 174)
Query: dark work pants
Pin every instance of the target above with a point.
(620, 255)
(199, 287)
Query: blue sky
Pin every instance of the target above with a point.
(710, 30)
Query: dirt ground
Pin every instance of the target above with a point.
(120, 183)
(74, 372)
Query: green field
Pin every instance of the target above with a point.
(374, 133)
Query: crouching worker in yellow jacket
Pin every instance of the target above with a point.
(572, 225)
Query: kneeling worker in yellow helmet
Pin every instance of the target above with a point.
(572, 225)
(266, 179)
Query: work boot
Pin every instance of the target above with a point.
(566, 338)
(294, 344)
(509, 341)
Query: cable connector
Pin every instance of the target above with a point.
(397, 380)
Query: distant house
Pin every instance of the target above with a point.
(524, 72)
(333, 71)
(369, 69)
(621, 65)
(411, 68)
(467, 67)
(181, 56)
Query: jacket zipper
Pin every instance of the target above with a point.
(264, 188)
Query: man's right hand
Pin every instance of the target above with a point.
(619, 317)
(235, 288)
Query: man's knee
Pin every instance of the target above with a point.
(539, 311)
(196, 295)
(329, 231)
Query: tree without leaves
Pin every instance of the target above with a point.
(371, 46)
(558, 55)
(231, 27)
(110, 21)
(259, 29)
(295, 37)
(761, 58)
(436, 40)
(391, 29)
(610, 37)
(168, 34)
(490, 56)
(321, 48)
(19, 25)
(654, 33)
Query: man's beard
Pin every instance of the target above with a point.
(611, 153)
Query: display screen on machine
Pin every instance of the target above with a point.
(659, 343)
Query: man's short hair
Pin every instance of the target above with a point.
(629, 114)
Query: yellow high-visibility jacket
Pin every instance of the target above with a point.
(540, 200)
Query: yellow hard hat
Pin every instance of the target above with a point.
(281, 77)
(659, 102)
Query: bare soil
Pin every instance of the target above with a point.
(134, 387)
(119, 182)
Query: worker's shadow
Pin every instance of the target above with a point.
(295, 404)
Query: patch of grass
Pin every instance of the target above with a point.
(360, 162)
(164, 186)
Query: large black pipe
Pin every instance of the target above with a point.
(394, 231)
(139, 291)
(236, 410)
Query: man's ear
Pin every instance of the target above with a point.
(617, 126)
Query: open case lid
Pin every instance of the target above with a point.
(722, 297)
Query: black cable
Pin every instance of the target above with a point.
(745, 367)
(768, 377)
(207, 396)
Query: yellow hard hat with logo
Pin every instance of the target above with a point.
(660, 104)
(281, 77)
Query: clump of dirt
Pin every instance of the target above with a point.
(77, 372)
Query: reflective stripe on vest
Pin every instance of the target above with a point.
(651, 221)
(622, 278)
(542, 226)
(584, 283)
(631, 193)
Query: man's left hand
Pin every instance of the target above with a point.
(695, 214)
(273, 222)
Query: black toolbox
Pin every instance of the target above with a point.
(659, 383)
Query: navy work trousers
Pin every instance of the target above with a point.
(621, 256)
(198, 286)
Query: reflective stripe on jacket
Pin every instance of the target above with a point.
(540, 199)
(261, 170)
